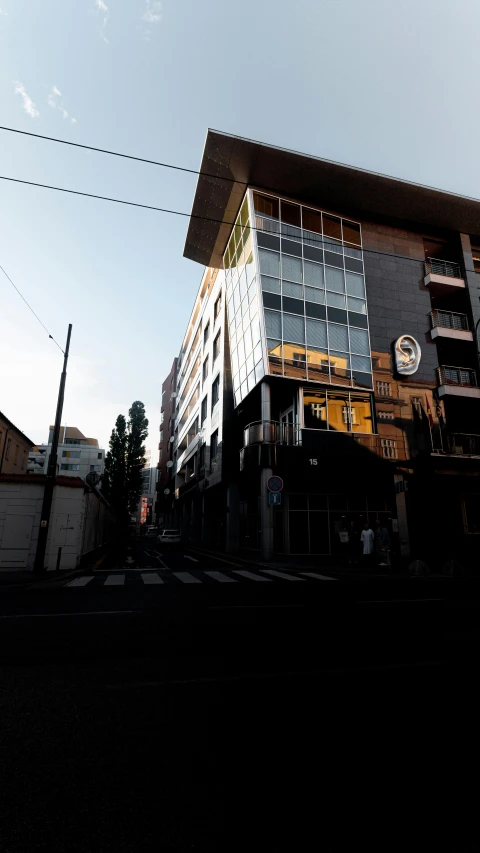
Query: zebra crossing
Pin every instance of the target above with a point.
(153, 578)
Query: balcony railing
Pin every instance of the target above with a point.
(271, 432)
(464, 444)
(449, 320)
(438, 267)
(463, 376)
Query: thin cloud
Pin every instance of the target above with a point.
(5, 14)
(103, 9)
(153, 12)
(55, 103)
(28, 104)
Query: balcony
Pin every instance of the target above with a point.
(271, 432)
(464, 444)
(442, 276)
(457, 382)
(448, 324)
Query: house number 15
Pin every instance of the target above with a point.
(312, 461)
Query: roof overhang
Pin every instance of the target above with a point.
(231, 163)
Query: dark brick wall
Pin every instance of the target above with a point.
(398, 302)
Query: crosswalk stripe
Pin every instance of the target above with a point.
(187, 557)
(186, 577)
(282, 575)
(115, 580)
(320, 577)
(80, 581)
(151, 577)
(218, 576)
(250, 575)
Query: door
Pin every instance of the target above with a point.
(287, 425)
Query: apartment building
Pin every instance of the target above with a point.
(166, 478)
(14, 448)
(202, 448)
(77, 455)
(349, 355)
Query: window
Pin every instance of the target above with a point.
(74, 454)
(205, 369)
(72, 441)
(201, 457)
(206, 333)
(348, 415)
(24, 459)
(340, 412)
(95, 467)
(217, 307)
(204, 409)
(417, 405)
(15, 458)
(67, 467)
(386, 416)
(215, 392)
(99, 456)
(7, 452)
(216, 347)
(389, 448)
(214, 445)
(384, 389)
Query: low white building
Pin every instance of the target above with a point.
(77, 455)
(81, 522)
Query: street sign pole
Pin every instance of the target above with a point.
(39, 565)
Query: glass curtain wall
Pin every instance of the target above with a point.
(313, 293)
(243, 308)
(306, 267)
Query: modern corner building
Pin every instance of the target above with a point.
(332, 343)
(77, 455)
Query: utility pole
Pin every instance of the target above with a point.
(39, 565)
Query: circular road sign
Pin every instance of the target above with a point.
(275, 484)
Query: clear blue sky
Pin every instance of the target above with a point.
(390, 86)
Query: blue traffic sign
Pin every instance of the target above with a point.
(274, 498)
(275, 483)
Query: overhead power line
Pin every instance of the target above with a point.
(120, 154)
(173, 212)
(30, 307)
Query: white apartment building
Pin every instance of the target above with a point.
(204, 405)
(77, 455)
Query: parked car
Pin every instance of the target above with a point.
(169, 537)
(151, 530)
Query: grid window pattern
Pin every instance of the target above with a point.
(65, 466)
(242, 287)
(389, 448)
(384, 389)
(204, 409)
(73, 454)
(205, 369)
(342, 411)
(216, 347)
(313, 292)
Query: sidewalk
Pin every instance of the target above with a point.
(14, 577)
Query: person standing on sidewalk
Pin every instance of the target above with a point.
(353, 543)
(367, 537)
(382, 541)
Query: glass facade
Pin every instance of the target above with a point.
(306, 268)
(243, 308)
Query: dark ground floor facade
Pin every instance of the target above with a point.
(431, 510)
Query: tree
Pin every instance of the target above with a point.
(115, 476)
(124, 462)
(137, 433)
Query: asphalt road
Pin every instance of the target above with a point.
(218, 715)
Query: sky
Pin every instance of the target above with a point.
(387, 85)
